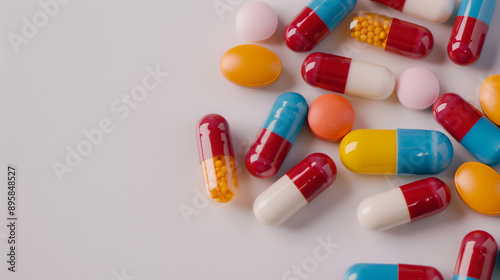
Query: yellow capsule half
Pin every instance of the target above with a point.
(370, 151)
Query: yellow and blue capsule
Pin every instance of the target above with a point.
(401, 151)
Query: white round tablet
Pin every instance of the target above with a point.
(417, 88)
(256, 21)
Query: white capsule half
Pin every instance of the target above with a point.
(278, 203)
(369, 80)
(437, 11)
(383, 211)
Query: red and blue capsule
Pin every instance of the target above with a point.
(469, 31)
(479, 135)
(476, 257)
(275, 138)
(371, 271)
(315, 22)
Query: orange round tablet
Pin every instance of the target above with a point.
(330, 117)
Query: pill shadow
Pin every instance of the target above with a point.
(439, 53)
(277, 38)
(489, 53)
(321, 206)
(285, 81)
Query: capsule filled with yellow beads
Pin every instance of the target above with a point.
(391, 34)
(217, 159)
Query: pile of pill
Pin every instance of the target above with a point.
(365, 151)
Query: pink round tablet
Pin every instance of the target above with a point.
(256, 21)
(417, 88)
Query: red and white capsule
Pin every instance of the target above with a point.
(344, 75)
(408, 203)
(476, 257)
(295, 189)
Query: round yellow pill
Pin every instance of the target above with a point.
(251, 66)
(478, 185)
(489, 95)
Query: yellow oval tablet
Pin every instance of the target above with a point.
(489, 95)
(251, 66)
(478, 185)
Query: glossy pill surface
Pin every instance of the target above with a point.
(276, 136)
(256, 21)
(330, 117)
(470, 30)
(315, 22)
(401, 151)
(295, 189)
(344, 75)
(489, 95)
(469, 127)
(437, 11)
(217, 159)
(476, 257)
(478, 185)
(417, 88)
(374, 271)
(408, 203)
(392, 35)
(251, 66)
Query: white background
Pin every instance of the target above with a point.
(117, 215)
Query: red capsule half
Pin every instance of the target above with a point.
(476, 257)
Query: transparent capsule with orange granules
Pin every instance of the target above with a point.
(217, 159)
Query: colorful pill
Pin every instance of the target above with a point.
(489, 95)
(330, 117)
(250, 66)
(391, 34)
(476, 257)
(217, 159)
(408, 203)
(469, 31)
(344, 75)
(276, 136)
(256, 21)
(417, 88)
(401, 151)
(295, 189)
(373, 271)
(478, 185)
(437, 11)
(469, 127)
(315, 22)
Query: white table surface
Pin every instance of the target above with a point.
(115, 212)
